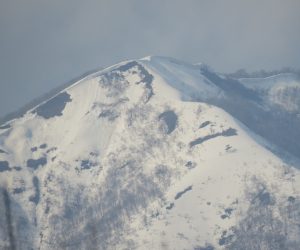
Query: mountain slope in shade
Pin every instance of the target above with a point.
(282, 90)
(138, 156)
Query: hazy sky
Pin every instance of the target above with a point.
(44, 43)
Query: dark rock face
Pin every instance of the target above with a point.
(178, 195)
(53, 107)
(170, 119)
(35, 163)
(18, 190)
(204, 124)
(146, 77)
(227, 213)
(190, 165)
(33, 149)
(226, 133)
(4, 166)
(169, 207)
(110, 115)
(225, 238)
(44, 145)
(127, 66)
(86, 164)
(36, 197)
(208, 247)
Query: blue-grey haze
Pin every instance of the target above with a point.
(46, 43)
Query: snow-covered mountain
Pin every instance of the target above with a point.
(155, 154)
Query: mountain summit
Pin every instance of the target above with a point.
(155, 153)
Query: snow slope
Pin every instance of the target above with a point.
(135, 157)
(282, 90)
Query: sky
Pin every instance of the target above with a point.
(44, 43)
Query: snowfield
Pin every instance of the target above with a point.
(154, 154)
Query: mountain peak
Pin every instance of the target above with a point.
(122, 157)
